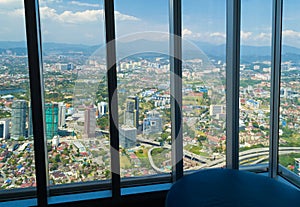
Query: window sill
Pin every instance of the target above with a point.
(81, 197)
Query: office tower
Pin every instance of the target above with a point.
(4, 128)
(131, 117)
(152, 123)
(102, 108)
(90, 122)
(61, 114)
(51, 116)
(18, 120)
(127, 136)
(30, 129)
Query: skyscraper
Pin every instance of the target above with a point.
(4, 128)
(61, 114)
(30, 129)
(51, 116)
(102, 108)
(127, 136)
(18, 128)
(90, 122)
(152, 123)
(131, 117)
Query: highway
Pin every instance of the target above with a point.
(186, 153)
(260, 153)
(152, 162)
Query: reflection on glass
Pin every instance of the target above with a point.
(289, 120)
(143, 88)
(76, 100)
(204, 102)
(17, 168)
(255, 85)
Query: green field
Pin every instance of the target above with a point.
(125, 162)
(196, 150)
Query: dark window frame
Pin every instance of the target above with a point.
(43, 191)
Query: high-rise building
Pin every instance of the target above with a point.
(152, 123)
(131, 117)
(102, 108)
(18, 120)
(51, 116)
(127, 136)
(4, 128)
(61, 114)
(30, 127)
(90, 122)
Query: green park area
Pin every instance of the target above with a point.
(160, 155)
(196, 149)
(125, 162)
(288, 160)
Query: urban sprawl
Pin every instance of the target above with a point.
(77, 122)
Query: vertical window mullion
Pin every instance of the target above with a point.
(33, 35)
(113, 100)
(175, 25)
(275, 86)
(232, 82)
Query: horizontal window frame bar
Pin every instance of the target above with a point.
(148, 180)
(96, 195)
(258, 168)
(17, 194)
(85, 187)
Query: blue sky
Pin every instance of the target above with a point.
(82, 21)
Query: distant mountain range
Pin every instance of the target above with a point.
(190, 50)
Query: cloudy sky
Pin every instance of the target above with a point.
(82, 21)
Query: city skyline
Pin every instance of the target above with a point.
(60, 19)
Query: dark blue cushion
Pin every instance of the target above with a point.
(224, 187)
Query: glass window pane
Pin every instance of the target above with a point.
(143, 87)
(289, 120)
(203, 76)
(255, 84)
(76, 97)
(17, 166)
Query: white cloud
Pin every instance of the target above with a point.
(217, 34)
(186, 32)
(263, 36)
(81, 16)
(9, 5)
(84, 4)
(246, 35)
(50, 1)
(47, 12)
(8, 1)
(290, 34)
(124, 17)
(17, 13)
